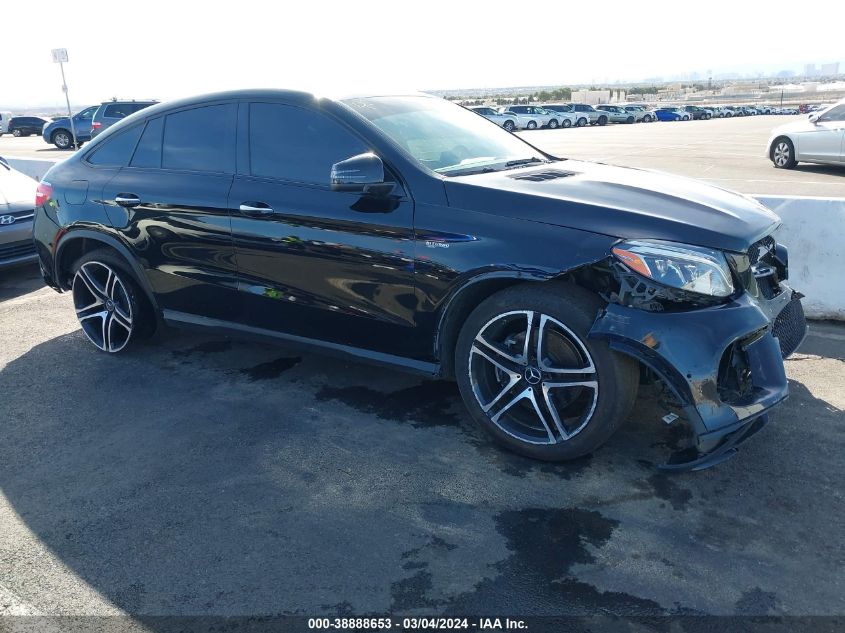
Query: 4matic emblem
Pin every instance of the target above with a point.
(7, 219)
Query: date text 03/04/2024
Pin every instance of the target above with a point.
(416, 623)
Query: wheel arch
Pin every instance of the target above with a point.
(469, 294)
(57, 130)
(75, 243)
(779, 137)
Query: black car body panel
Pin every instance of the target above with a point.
(622, 202)
(385, 277)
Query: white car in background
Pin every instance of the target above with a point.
(507, 121)
(818, 139)
(565, 110)
(4, 122)
(535, 115)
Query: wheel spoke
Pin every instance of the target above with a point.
(527, 394)
(85, 312)
(90, 283)
(122, 319)
(514, 396)
(544, 322)
(107, 321)
(102, 314)
(507, 391)
(497, 358)
(547, 388)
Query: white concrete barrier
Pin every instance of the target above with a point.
(32, 167)
(813, 230)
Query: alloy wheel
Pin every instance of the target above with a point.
(533, 377)
(102, 306)
(62, 140)
(781, 154)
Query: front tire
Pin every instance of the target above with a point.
(783, 153)
(112, 310)
(62, 139)
(534, 381)
(17, 133)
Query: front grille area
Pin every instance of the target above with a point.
(17, 249)
(790, 326)
(762, 250)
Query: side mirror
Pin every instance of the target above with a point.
(363, 173)
(814, 117)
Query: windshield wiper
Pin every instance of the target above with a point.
(469, 171)
(523, 161)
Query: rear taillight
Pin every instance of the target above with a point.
(96, 124)
(43, 193)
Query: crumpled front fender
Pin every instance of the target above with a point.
(685, 350)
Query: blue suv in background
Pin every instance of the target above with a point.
(58, 132)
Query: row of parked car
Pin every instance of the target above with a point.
(555, 115)
(87, 123)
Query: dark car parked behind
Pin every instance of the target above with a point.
(412, 232)
(110, 112)
(26, 125)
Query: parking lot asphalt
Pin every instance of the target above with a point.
(729, 153)
(200, 475)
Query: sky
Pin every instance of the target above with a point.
(164, 50)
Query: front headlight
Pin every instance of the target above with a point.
(692, 268)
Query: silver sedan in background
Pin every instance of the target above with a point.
(617, 114)
(507, 121)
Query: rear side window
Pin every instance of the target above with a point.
(118, 110)
(202, 139)
(296, 144)
(116, 150)
(148, 152)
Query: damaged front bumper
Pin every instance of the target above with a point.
(723, 364)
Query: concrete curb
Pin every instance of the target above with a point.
(813, 229)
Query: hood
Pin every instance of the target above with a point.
(17, 191)
(617, 201)
(62, 121)
(796, 126)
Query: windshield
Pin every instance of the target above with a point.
(445, 137)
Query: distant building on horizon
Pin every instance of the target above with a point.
(830, 69)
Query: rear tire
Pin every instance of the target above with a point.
(566, 123)
(582, 122)
(630, 120)
(509, 126)
(112, 310)
(602, 120)
(532, 125)
(555, 405)
(17, 133)
(783, 153)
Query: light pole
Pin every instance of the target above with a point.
(60, 57)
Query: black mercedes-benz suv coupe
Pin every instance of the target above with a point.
(409, 231)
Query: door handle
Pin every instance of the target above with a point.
(256, 209)
(127, 200)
